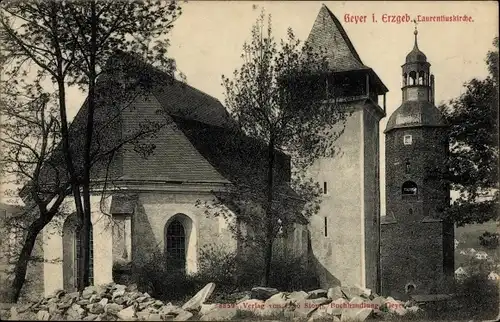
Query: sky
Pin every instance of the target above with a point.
(207, 42)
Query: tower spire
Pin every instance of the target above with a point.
(415, 33)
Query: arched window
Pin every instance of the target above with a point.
(175, 247)
(409, 189)
(407, 166)
(405, 79)
(413, 78)
(410, 288)
(421, 77)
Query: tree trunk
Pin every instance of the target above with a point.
(73, 177)
(84, 260)
(24, 257)
(268, 255)
(84, 268)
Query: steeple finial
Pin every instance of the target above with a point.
(415, 32)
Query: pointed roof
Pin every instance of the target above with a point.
(416, 55)
(328, 34)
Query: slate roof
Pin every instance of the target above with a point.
(242, 160)
(237, 157)
(328, 35)
(112, 122)
(415, 114)
(198, 144)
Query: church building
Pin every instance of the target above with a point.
(145, 197)
(151, 202)
(417, 246)
(147, 204)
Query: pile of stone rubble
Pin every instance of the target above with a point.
(110, 302)
(334, 304)
(114, 302)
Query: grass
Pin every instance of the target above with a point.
(468, 237)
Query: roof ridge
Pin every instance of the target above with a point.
(149, 66)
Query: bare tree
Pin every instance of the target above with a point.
(82, 44)
(28, 135)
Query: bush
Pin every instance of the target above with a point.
(290, 274)
(162, 280)
(489, 240)
(478, 296)
(218, 266)
(230, 272)
(233, 272)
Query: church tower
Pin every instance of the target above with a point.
(345, 233)
(417, 246)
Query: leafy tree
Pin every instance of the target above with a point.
(473, 134)
(278, 96)
(72, 43)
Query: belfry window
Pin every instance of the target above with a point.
(413, 78)
(421, 78)
(409, 189)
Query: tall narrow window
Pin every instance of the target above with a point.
(326, 227)
(325, 188)
(176, 244)
(326, 85)
(407, 166)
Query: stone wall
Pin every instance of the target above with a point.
(348, 251)
(371, 165)
(155, 209)
(411, 254)
(55, 268)
(336, 230)
(416, 247)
